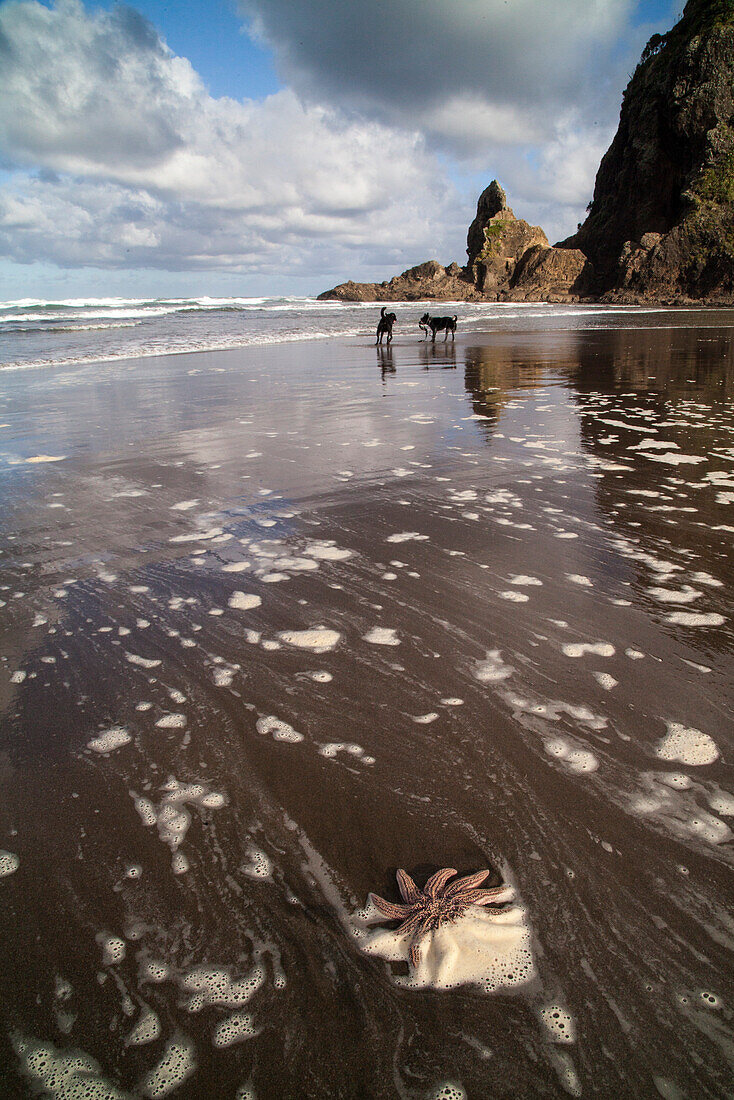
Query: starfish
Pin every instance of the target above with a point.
(424, 910)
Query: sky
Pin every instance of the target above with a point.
(243, 147)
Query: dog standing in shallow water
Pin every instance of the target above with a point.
(435, 324)
(384, 325)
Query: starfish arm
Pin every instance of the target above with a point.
(466, 883)
(390, 909)
(407, 887)
(415, 953)
(410, 925)
(437, 882)
(484, 897)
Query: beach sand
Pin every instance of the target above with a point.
(279, 621)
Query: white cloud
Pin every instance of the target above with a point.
(120, 158)
(154, 171)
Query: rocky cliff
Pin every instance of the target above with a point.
(661, 222)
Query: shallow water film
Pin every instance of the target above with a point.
(280, 621)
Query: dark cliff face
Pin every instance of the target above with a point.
(662, 218)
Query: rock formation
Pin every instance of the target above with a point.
(661, 223)
(508, 259)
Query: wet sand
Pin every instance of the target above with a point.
(279, 621)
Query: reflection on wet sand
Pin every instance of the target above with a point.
(275, 626)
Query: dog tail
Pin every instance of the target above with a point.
(382, 313)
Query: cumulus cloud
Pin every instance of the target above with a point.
(501, 70)
(142, 166)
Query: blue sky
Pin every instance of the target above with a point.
(281, 146)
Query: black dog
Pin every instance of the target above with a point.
(435, 324)
(384, 325)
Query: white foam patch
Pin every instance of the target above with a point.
(327, 551)
(514, 597)
(244, 601)
(576, 760)
(172, 816)
(9, 863)
(407, 536)
(143, 662)
(580, 579)
(319, 639)
(147, 1029)
(605, 680)
(235, 567)
(690, 618)
(321, 677)
(184, 505)
(492, 951)
(722, 802)
(214, 985)
(578, 649)
(46, 458)
(110, 740)
(448, 1090)
(171, 722)
(18, 677)
(424, 719)
(63, 1074)
(672, 459)
(233, 1029)
(559, 1023)
(113, 948)
(381, 635)
(687, 745)
(176, 1065)
(686, 594)
(492, 669)
(279, 731)
(259, 866)
(523, 581)
(223, 677)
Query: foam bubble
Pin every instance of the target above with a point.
(9, 863)
(381, 635)
(578, 649)
(63, 1074)
(318, 639)
(447, 1090)
(113, 948)
(171, 722)
(406, 536)
(146, 1030)
(327, 551)
(233, 1029)
(244, 601)
(514, 597)
(214, 985)
(110, 740)
(493, 669)
(690, 618)
(687, 745)
(260, 865)
(176, 1065)
(143, 662)
(280, 731)
(605, 680)
(559, 1023)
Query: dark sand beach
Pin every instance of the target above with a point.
(278, 621)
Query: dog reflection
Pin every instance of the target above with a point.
(385, 359)
(437, 355)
